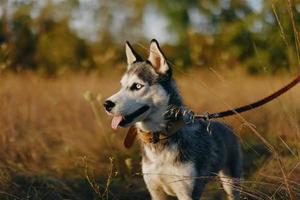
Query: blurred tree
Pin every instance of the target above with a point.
(252, 38)
(40, 35)
(22, 41)
(44, 43)
(177, 13)
(60, 49)
(3, 37)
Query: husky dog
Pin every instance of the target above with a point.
(183, 161)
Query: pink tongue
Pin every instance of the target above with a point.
(116, 121)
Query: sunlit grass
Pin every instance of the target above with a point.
(53, 146)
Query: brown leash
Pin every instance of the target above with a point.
(250, 106)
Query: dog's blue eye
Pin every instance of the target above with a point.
(136, 86)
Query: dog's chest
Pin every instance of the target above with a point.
(162, 169)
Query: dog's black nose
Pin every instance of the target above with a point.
(108, 105)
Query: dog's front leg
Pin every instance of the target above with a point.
(157, 194)
(155, 190)
(199, 186)
(189, 193)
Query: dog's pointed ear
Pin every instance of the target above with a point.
(157, 58)
(131, 55)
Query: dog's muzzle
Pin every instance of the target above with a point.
(123, 121)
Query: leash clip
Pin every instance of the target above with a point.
(205, 116)
(188, 116)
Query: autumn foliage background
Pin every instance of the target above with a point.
(60, 59)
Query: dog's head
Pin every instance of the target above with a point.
(144, 94)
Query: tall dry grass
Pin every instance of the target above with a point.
(53, 147)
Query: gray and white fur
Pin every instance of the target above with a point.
(182, 165)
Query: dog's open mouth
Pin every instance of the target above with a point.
(127, 119)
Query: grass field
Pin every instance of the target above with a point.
(53, 147)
